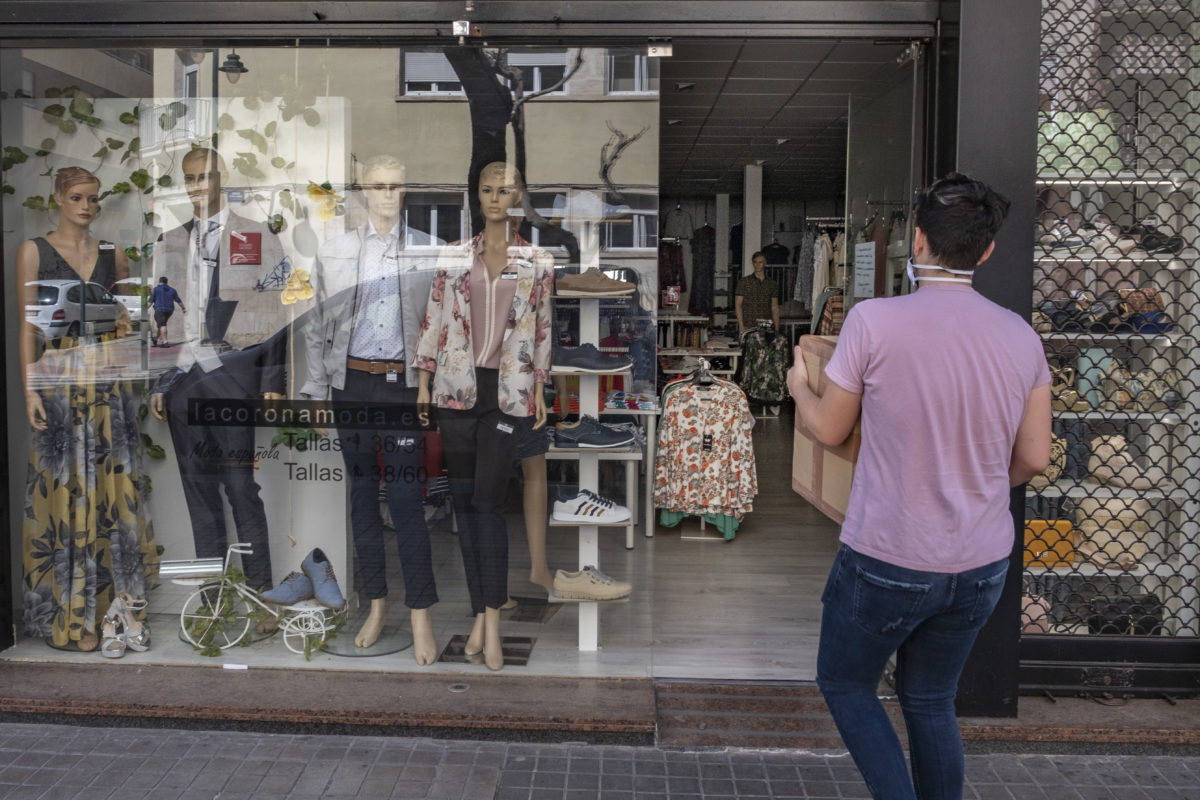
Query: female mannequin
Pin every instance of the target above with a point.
(87, 535)
(485, 348)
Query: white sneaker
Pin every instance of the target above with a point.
(589, 583)
(588, 508)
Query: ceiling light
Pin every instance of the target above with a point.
(233, 67)
(674, 121)
(684, 87)
(782, 141)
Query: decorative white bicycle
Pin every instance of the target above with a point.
(219, 613)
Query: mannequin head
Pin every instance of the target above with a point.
(204, 175)
(77, 193)
(383, 190)
(759, 261)
(499, 191)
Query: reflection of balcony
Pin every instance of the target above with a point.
(187, 119)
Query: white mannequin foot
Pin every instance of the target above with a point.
(424, 646)
(368, 634)
(474, 645)
(493, 653)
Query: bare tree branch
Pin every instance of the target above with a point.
(611, 152)
(522, 99)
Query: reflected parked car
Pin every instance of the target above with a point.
(68, 308)
(129, 293)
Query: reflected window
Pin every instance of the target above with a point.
(428, 73)
(541, 70)
(631, 73)
(438, 215)
(543, 203)
(630, 224)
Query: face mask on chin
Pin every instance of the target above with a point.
(913, 278)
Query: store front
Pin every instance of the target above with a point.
(622, 150)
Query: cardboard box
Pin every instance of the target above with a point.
(1049, 543)
(822, 475)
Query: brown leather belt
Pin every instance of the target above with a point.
(374, 367)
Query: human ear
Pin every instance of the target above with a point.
(986, 253)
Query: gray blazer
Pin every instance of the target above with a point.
(335, 280)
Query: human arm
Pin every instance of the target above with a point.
(178, 300)
(831, 416)
(775, 312)
(27, 267)
(1031, 447)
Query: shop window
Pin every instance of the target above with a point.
(438, 215)
(632, 73)
(428, 74)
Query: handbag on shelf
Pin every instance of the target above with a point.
(1112, 531)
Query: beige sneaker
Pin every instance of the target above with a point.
(589, 583)
(591, 283)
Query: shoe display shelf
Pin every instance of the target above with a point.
(589, 469)
(630, 456)
(1165, 444)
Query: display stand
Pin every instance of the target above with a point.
(589, 471)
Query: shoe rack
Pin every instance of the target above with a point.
(589, 469)
(1159, 545)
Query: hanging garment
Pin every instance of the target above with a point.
(775, 253)
(670, 266)
(823, 277)
(705, 460)
(704, 260)
(802, 292)
(765, 362)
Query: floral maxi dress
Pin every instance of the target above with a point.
(87, 533)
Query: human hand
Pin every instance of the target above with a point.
(797, 376)
(35, 410)
(156, 406)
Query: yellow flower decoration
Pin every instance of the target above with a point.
(328, 201)
(297, 287)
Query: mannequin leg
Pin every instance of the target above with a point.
(534, 505)
(424, 646)
(373, 626)
(474, 645)
(493, 653)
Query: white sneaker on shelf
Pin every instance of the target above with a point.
(589, 583)
(588, 508)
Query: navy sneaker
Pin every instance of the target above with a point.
(590, 433)
(291, 590)
(324, 583)
(587, 358)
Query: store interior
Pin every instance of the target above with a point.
(752, 134)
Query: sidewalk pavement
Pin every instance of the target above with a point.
(62, 762)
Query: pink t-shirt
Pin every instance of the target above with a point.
(944, 375)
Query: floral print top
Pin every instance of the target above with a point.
(705, 460)
(444, 347)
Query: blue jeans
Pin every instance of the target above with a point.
(930, 620)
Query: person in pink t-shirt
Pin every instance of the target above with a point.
(954, 393)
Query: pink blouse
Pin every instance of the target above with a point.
(491, 301)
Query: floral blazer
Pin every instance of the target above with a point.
(444, 347)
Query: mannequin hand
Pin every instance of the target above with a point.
(423, 400)
(156, 405)
(35, 410)
(539, 405)
(797, 376)
(272, 396)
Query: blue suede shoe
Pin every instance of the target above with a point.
(325, 586)
(292, 589)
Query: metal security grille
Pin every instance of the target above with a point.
(1112, 538)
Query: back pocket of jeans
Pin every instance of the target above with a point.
(883, 606)
(987, 594)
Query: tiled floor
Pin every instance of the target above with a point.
(52, 762)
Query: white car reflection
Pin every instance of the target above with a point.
(68, 308)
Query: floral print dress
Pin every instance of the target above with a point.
(87, 535)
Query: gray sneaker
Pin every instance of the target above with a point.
(591, 434)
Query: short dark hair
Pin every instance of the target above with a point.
(163, 279)
(756, 254)
(960, 217)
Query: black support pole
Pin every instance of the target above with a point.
(994, 98)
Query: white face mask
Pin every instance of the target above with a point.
(913, 277)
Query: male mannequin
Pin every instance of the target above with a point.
(234, 347)
(757, 296)
(370, 302)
